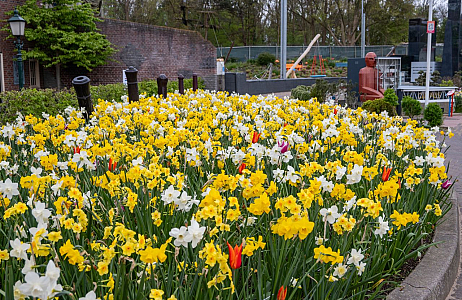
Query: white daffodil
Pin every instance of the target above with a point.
(340, 270)
(382, 228)
(355, 257)
(361, 267)
(9, 188)
(41, 213)
(196, 232)
(330, 215)
(19, 249)
(170, 195)
(36, 171)
(89, 296)
(181, 235)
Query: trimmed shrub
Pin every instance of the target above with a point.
(33, 101)
(433, 114)
(265, 59)
(458, 104)
(301, 92)
(390, 97)
(52, 102)
(411, 106)
(379, 105)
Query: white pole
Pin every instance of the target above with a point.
(283, 38)
(363, 30)
(429, 51)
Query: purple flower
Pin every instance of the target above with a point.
(445, 185)
(283, 146)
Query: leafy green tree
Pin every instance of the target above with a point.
(64, 32)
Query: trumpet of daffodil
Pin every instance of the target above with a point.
(261, 205)
(153, 255)
(156, 294)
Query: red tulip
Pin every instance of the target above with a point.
(241, 168)
(282, 293)
(76, 149)
(255, 137)
(112, 165)
(335, 111)
(235, 254)
(386, 173)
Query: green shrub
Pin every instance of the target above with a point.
(319, 90)
(265, 59)
(301, 92)
(107, 92)
(433, 114)
(458, 104)
(379, 105)
(390, 97)
(411, 106)
(52, 102)
(33, 101)
(448, 82)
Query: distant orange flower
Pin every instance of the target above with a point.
(235, 256)
(255, 137)
(241, 168)
(386, 174)
(282, 293)
(112, 165)
(76, 149)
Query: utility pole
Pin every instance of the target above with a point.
(429, 52)
(363, 30)
(283, 38)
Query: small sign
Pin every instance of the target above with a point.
(124, 78)
(431, 27)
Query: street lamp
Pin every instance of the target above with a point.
(17, 25)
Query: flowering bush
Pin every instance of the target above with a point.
(210, 196)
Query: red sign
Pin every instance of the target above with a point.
(431, 27)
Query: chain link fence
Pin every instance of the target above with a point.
(245, 53)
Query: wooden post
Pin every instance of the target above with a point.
(132, 84)
(194, 82)
(181, 84)
(162, 81)
(82, 90)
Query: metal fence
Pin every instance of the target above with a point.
(245, 53)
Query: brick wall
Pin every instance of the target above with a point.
(153, 50)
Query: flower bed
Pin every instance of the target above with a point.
(208, 196)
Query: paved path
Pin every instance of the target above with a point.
(454, 157)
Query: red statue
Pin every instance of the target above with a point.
(368, 88)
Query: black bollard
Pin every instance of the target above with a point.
(82, 90)
(132, 84)
(181, 84)
(194, 82)
(162, 81)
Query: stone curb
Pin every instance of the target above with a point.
(434, 276)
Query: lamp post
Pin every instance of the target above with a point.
(17, 25)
